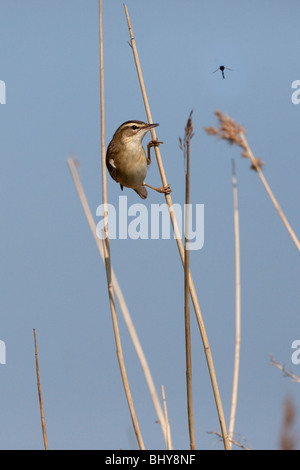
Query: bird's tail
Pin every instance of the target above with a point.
(142, 192)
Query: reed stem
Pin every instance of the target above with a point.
(119, 295)
(169, 443)
(106, 247)
(185, 147)
(193, 294)
(40, 392)
(237, 307)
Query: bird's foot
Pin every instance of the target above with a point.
(152, 143)
(164, 189)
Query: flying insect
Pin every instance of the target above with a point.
(222, 68)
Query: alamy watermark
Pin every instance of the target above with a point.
(138, 221)
(295, 357)
(2, 352)
(296, 94)
(2, 92)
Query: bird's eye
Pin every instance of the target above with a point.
(134, 127)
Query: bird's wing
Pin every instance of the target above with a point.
(112, 169)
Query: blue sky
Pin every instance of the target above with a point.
(51, 274)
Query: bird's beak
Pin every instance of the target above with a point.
(150, 126)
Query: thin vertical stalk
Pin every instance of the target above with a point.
(107, 248)
(185, 147)
(40, 392)
(169, 443)
(187, 306)
(237, 307)
(193, 294)
(102, 117)
(119, 295)
(119, 345)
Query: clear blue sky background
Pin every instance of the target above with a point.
(51, 275)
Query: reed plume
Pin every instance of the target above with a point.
(234, 133)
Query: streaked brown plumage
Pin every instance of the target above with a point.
(126, 158)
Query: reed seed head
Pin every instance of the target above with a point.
(234, 133)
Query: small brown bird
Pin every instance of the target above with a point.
(126, 158)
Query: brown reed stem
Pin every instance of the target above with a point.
(288, 435)
(119, 295)
(40, 392)
(237, 307)
(185, 147)
(119, 345)
(106, 246)
(193, 294)
(187, 308)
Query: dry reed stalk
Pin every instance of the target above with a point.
(245, 446)
(106, 246)
(119, 295)
(235, 134)
(193, 294)
(169, 443)
(237, 307)
(40, 392)
(291, 375)
(119, 346)
(185, 147)
(288, 436)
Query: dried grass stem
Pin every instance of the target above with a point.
(235, 134)
(40, 392)
(193, 294)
